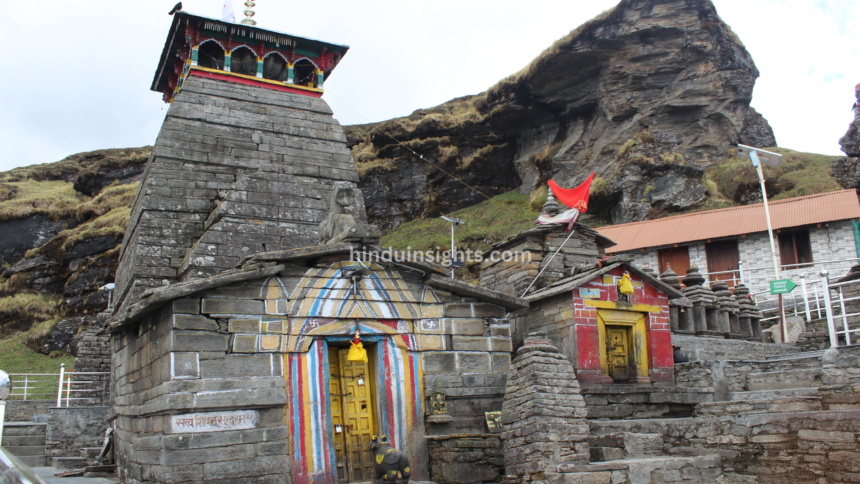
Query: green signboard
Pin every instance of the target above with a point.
(782, 286)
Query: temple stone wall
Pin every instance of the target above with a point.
(177, 362)
(235, 170)
(71, 429)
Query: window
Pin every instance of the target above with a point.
(794, 249)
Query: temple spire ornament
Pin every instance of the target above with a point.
(249, 13)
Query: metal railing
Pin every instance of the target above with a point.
(836, 308)
(68, 388)
(33, 386)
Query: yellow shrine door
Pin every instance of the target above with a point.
(618, 350)
(351, 415)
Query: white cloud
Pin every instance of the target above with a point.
(82, 76)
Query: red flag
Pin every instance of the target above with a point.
(573, 197)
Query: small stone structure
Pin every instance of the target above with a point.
(543, 414)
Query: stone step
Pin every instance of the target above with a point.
(780, 380)
(750, 407)
(33, 460)
(69, 462)
(24, 429)
(772, 394)
(796, 356)
(15, 440)
(90, 452)
(20, 450)
(686, 470)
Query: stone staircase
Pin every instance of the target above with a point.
(26, 440)
(638, 458)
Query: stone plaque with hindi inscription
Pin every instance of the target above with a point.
(213, 421)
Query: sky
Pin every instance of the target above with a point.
(83, 69)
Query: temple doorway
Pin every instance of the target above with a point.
(352, 415)
(619, 351)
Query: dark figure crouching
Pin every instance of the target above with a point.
(389, 464)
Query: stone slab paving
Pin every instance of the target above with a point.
(47, 474)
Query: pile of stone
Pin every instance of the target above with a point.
(542, 413)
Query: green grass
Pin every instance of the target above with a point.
(17, 357)
(486, 223)
(54, 199)
(799, 174)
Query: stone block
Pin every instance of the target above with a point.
(473, 362)
(470, 343)
(245, 326)
(471, 327)
(473, 310)
(194, 341)
(208, 456)
(501, 344)
(201, 323)
(428, 342)
(232, 306)
(186, 306)
(185, 365)
(246, 467)
(236, 366)
(440, 362)
(501, 362)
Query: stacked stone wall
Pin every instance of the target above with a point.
(71, 429)
(94, 356)
(235, 170)
(177, 361)
(514, 276)
(543, 413)
(802, 447)
(701, 348)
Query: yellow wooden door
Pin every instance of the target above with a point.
(352, 409)
(337, 419)
(619, 353)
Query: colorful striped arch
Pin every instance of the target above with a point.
(399, 402)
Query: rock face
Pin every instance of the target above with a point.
(669, 71)
(847, 170)
(19, 236)
(756, 131)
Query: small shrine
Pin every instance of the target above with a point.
(610, 318)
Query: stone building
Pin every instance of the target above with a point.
(810, 232)
(247, 271)
(245, 159)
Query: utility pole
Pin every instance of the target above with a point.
(454, 262)
(771, 159)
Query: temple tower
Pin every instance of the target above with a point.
(245, 159)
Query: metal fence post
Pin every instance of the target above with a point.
(805, 297)
(831, 328)
(60, 388)
(26, 381)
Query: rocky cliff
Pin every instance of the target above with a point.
(647, 94)
(847, 169)
(62, 224)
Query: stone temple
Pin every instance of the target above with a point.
(248, 269)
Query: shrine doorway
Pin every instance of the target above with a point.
(623, 345)
(351, 390)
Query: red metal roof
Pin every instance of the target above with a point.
(727, 222)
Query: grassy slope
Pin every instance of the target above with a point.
(45, 190)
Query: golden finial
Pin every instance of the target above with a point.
(249, 13)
